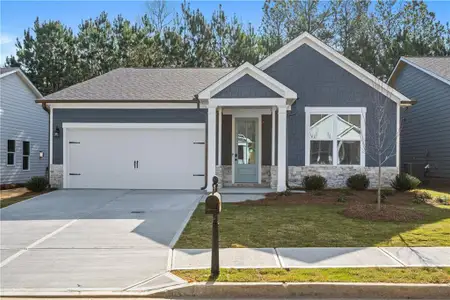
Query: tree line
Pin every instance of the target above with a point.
(373, 35)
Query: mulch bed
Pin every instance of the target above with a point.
(387, 213)
(358, 204)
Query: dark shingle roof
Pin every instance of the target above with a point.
(440, 66)
(169, 84)
(6, 70)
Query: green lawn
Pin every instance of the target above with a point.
(391, 275)
(313, 226)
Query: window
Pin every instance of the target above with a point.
(11, 152)
(26, 156)
(334, 135)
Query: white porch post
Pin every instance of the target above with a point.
(274, 111)
(281, 185)
(219, 152)
(211, 146)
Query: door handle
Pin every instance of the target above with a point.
(137, 163)
(134, 164)
(235, 156)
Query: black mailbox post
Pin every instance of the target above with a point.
(213, 206)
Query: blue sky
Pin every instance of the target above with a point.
(15, 16)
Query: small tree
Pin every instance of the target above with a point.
(382, 131)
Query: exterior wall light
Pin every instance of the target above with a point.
(56, 132)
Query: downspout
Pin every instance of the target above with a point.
(206, 151)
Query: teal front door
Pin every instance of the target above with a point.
(246, 150)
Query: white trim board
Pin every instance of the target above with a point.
(248, 102)
(337, 58)
(406, 61)
(257, 74)
(135, 125)
(169, 105)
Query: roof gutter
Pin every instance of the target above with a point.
(43, 100)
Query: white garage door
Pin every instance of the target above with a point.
(160, 156)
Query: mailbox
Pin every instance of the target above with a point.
(213, 203)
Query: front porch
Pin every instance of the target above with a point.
(243, 143)
(247, 129)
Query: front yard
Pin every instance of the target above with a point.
(12, 196)
(319, 220)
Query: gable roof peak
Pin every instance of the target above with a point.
(339, 59)
(247, 69)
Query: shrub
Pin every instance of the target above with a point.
(358, 182)
(341, 198)
(443, 200)
(405, 182)
(423, 195)
(314, 183)
(37, 184)
(419, 198)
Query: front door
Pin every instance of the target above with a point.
(246, 151)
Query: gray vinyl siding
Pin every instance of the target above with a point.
(120, 116)
(246, 87)
(318, 81)
(22, 120)
(426, 131)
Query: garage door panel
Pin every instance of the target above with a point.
(167, 158)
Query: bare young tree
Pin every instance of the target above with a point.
(382, 133)
(159, 14)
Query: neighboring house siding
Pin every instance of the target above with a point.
(246, 87)
(22, 120)
(120, 116)
(426, 131)
(318, 81)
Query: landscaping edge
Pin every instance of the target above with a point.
(257, 289)
(307, 289)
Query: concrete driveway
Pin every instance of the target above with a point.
(111, 240)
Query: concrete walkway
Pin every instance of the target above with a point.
(241, 258)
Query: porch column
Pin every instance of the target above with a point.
(219, 136)
(281, 185)
(211, 146)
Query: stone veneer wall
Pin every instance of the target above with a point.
(56, 176)
(337, 176)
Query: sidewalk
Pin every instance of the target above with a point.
(241, 258)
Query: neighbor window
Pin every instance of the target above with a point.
(11, 152)
(333, 136)
(26, 156)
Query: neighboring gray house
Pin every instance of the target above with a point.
(426, 130)
(24, 129)
(303, 110)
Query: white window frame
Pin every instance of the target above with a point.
(335, 111)
(23, 155)
(13, 153)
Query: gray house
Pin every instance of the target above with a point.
(24, 129)
(426, 132)
(303, 110)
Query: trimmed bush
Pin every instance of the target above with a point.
(405, 182)
(314, 183)
(37, 184)
(358, 182)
